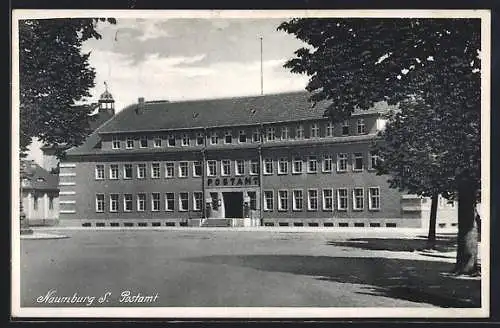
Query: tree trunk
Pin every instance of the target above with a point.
(431, 238)
(467, 240)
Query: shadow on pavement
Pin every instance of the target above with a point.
(410, 280)
(444, 243)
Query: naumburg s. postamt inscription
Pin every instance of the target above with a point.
(52, 297)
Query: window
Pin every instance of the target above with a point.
(197, 169)
(113, 203)
(113, 171)
(211, 168)
(312, 200)
(268, 200)
(312, 164)
(143, 142)
(298, 200)
(155, 170)
(282, 200)
(51, 202)
(225, 167)
(141, 171)
(130, 143)
(283, 165)
(199, 139)
(171, 141)
(358, 197)
(327, 163)
(240, 167)
(185, 140)
(197, 201)
(329, 129)
(345, 128)
(116, 143)
(297, 165)
(183, 169)
(183, 201)
(253, 199)
(341, 162)
(141, 202)
(327, 199)
(228, 137)
(342, 199)
(374, 160)
(169, 201)
(169, 169)
(254, 167)
(285, 134)
(270, 134)
(127, 171)
(99, 172)
(127, 202)
(157, 142)
(155, 201)
(361, 126)
(242, 136)
(268, 166)
(314, 130)
(256, 135)
(357, 164)
(374, 198)
(99, 203)
(214, 138)
(299, 132)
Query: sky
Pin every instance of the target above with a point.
(188, 58)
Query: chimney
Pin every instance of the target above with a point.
(140, 105)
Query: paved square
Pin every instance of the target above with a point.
(204, 268)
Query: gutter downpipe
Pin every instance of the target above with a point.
(203, 173)
(261, 207)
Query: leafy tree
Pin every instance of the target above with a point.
(54, 75)
(407, 147)
(356, 62)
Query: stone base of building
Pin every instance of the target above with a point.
(345, 223)
(241, 223)
(43, 222)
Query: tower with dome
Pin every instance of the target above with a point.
(105, 110)
(106, 101)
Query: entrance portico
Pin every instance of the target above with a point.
(230, 203)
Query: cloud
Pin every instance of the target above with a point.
(220, 40)
(180, 59)
(152, 29)
(157, 78)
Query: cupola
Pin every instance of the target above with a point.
(106, 101)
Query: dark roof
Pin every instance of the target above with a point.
(99, 118)
(39, 178)
(238, 111)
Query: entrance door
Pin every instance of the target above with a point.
(233, 204)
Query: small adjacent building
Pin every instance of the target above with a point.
(40, 194)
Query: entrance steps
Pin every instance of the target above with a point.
(216, 223)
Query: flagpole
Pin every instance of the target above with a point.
(261, 70)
